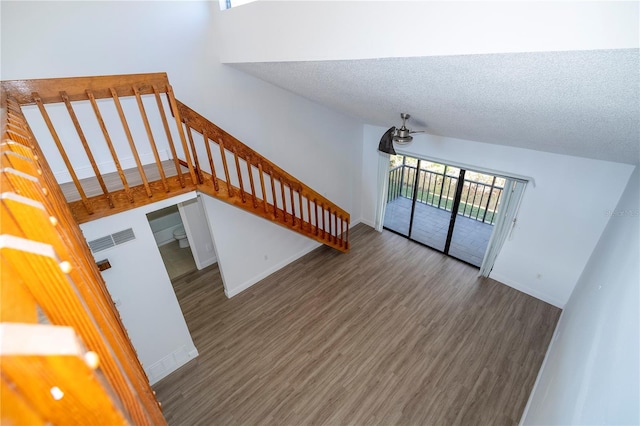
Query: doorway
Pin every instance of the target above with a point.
(182, 234)
(177, 258)
(447, 208)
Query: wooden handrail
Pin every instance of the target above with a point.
(76, 87)
(215, 133)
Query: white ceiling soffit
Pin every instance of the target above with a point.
(580, 103)
(281, 31)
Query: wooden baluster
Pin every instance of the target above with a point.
(315, 209)
(309, 212)
(152, 141)
(273, 195)
(347, 234)
(284, 199)
(339, 229)
(253, 189)
(63, 153)
(226, 168)
(331, 230)
(239, 173)
(324, 221)
(264, 193)
(174, 108)
(213, 168)
(112, 150)
(167, 131)
(293, 206)
(132, 144)
(301, 207)
(85, 145)
(193, 149)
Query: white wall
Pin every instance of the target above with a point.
(560, 219)
(302, 30)
(247, 259)
(591, 371)
(320, 147)
(196, 227)
(140, 287)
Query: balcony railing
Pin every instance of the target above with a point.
(479, 200)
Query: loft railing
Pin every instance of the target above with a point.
(126, 141)
(65, 357)
(479, 200)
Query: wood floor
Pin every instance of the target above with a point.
(390, 333)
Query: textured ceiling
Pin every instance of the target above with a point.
(581, 103)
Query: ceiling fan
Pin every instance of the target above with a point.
(401, 136)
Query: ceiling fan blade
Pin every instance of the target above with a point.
(417, 131)
(386, 142)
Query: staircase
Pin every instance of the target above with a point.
(126, 141)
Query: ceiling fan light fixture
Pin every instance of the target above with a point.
(403, 140)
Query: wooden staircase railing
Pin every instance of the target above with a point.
(212, 162)
(246, 179)
(65, 356)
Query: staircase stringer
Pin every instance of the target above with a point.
(305, 228)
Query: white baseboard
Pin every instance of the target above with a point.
(242, 287)
(170, 363)
(366, 222)
(528, 290)
(207, 262)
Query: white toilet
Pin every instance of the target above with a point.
(180, 235)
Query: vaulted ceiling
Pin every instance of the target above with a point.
(581, 103)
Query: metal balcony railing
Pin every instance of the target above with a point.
(479, 200)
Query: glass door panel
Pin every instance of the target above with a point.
(397, 216)
(475, 216)
(434, 199)
(422, 197)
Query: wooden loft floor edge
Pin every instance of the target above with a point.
(120, 202)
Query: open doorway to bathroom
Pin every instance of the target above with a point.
(173, 244)
(183, 237)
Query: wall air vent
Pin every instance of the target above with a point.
(112, 240)
(123, 236)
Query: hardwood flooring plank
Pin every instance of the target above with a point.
(390, 333)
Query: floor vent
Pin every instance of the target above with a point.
(112, 240)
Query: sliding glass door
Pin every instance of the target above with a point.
(444, 207)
